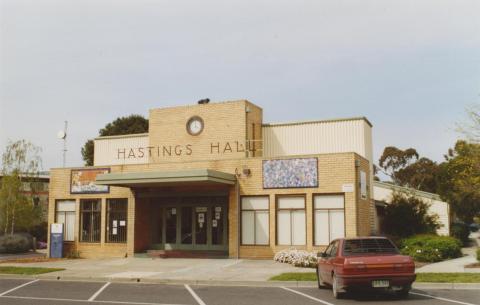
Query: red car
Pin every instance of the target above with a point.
(365, 262)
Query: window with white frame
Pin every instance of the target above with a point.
(329, 218)
(255, 224)
(65, 214)
(291, 224)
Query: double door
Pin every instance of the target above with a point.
(192, 224)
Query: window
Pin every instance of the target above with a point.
(329, 218)
(368, 246)
(334, 251)
(117, 220)
(291, 225)
(90, 221)
(255, 224)
(65, 214)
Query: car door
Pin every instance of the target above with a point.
(324, 264)
(329, 262)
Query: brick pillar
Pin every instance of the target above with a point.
(131, 225)
(233, 234)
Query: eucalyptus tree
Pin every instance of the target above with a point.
(21, 165)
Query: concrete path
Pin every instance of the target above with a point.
(167, 269)
(38, 254)
(458, 264)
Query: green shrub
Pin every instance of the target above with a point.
(431, 248)
(39, 231)
(15, 243)
(478, 254)
(460, 231)
(407, 215)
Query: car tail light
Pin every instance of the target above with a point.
(404, 267)
(355, 266)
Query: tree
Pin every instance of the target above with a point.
(459, 180)
(394, 159)
(124, 125)
(420, 175)
(406, 168)
(407, 215)
(471, 128)
(20, 166)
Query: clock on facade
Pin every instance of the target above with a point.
(195, 125)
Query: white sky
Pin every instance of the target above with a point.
(411, 67)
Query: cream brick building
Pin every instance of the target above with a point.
(213, 179)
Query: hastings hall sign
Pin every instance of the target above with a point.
(181, 150)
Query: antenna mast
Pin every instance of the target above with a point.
(65, 144)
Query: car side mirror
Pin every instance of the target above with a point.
(321, 254)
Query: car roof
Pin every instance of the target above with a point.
(362, 237)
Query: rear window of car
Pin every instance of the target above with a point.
(368, 246)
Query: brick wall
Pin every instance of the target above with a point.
(224, 126)
(173, 149)
(334, 170)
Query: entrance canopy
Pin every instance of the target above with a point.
(146, 179)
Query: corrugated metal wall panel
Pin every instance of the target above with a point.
(318, 138)
(106, 150)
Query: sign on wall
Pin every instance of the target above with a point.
(290, 173)
(363, 185)
(83, 181)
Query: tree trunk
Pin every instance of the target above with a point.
(13, 221)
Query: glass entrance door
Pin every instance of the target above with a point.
(193, 224)
(186, 226)
(202, 225)
(171, 225)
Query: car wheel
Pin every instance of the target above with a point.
(337, 294)
(320, 282)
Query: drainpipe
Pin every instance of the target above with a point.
(237, 188)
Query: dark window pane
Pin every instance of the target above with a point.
(217, 225)
(368, 246)
(90, 222)
(117, 220)
(171, 226)
(187, 225)
(201, 226)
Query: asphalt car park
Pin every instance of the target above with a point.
(51, 292)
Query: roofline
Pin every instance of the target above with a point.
(139, 178)
(131, 135)
(195, 104)
(417, 192)
(361, 118)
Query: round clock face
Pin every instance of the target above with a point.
(195, 125)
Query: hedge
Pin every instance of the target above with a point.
(431, 248)
(15, 243)
(460, 231)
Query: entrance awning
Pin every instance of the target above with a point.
(146, 179)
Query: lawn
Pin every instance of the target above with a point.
(295, 276)
(448, 277)
(27, 270)
(421, 277)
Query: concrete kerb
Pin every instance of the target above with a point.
(292, 284)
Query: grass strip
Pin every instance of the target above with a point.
(295, 276)
(448, 277)
(27, 270)
(421, 277)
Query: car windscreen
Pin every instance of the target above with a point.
(368, 246)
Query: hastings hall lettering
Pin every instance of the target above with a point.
(180, 150)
